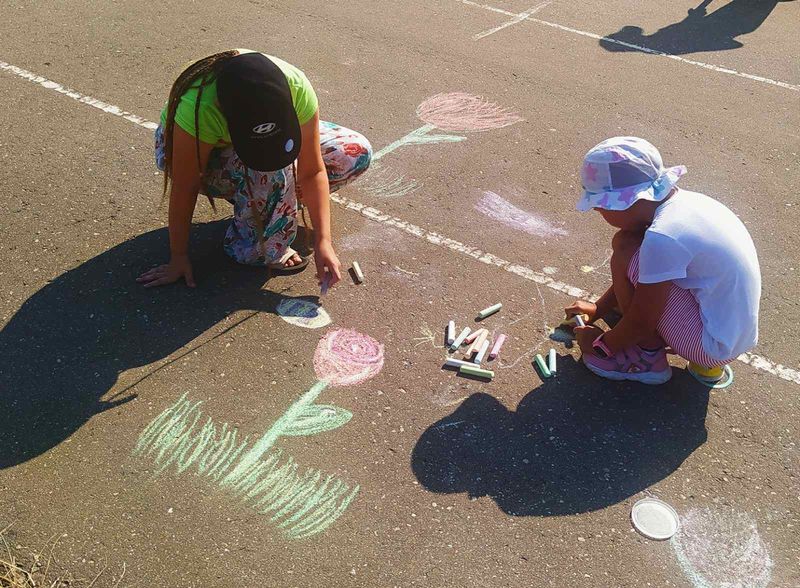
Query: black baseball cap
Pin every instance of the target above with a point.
(257, 103)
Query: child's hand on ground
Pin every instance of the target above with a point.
(585, 336)
(177, 268)
(326, 259)
(582, 307)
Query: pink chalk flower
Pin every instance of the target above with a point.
(346, 357)
(462, 112)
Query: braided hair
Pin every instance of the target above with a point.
(205, 70)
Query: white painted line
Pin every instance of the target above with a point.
(519, 18)
(709, 66)
(755, 361)
(50, 85)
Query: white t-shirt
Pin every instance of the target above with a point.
(701, 246)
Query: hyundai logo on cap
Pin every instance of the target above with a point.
(264, 128)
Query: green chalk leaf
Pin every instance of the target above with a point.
(317, 418)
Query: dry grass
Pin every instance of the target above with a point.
(37, 570)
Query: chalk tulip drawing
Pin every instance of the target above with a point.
(453, 112)
(299, 502)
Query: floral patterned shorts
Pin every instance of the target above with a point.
(271, 195)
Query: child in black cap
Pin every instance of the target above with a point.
(244, 126)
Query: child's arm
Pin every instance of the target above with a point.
(638, 325)
(594, 310)
(313, 180)
(182, 200)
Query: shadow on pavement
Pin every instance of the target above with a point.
(575, 444)
(699, 31)
(65, 347)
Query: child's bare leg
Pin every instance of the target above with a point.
(625, 245)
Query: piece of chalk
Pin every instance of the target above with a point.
(325, 285)
(482, 352)
(476, 344)
(542, 365)
(453, 362)
(571, 322)
(579, 321)
(451, 332)
(460, 339)
(491, 310)
(357, 271)
(551, 361)
(474, 335)
(496, 347)
(474, 370)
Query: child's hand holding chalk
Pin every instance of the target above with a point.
(582, 307)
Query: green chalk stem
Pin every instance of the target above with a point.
(476, 371)
(542, 365)
(491, 310)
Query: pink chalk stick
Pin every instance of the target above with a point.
(476, 344)
(474, 335)
(497, 345)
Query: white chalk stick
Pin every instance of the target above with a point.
(453, 362)
(482, 353)
(460, 339)
(451, 332)
(357, 271)
(497, 345)
(490, 310)
(551, 361)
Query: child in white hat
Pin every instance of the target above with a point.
(685, 274)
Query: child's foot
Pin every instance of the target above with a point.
(634, 363)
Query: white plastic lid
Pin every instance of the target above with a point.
(654, 518)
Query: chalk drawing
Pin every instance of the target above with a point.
(418, 136)
(300, 503)
(722, 549)
(454, 112)
(345, 357)
(518, 18)
(498, 208)
(460, 112)
(428, 337)
(303, 313)
(382, 182)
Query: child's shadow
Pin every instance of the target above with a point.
(575, 444)
(65, 347)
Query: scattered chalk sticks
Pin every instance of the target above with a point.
(474, 370)
(482, 352)
(496, 348)
(542, 365)
(551, 361)
(490, 310)
(460, 339)
(358, 273)
(451, 332)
